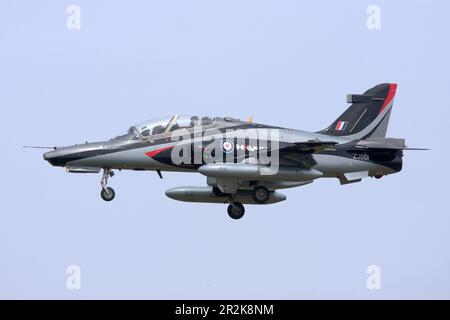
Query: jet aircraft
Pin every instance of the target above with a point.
(246, 162)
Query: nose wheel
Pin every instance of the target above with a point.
(107, 193)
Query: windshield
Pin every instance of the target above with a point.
(169, 124)
(131, 134)
(147, 129)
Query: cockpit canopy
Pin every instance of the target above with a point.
(150, 128)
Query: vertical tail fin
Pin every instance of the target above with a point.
(368, 116)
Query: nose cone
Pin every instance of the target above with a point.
(55, 158)
(63, 156)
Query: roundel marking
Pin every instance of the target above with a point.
(227, 146)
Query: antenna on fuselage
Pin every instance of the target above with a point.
(39, 147)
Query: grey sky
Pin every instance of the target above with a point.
(284, 62)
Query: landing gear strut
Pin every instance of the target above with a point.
(107, 193)
(236, 210)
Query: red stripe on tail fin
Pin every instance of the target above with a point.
(390, 96)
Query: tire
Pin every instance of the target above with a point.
(107, 195)
(236, 210)
(260, 194)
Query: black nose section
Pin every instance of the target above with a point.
(56, 158)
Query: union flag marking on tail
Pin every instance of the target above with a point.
(341, 125)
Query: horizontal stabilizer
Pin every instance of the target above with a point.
(382, 143)
(418, 149)
(385, 143)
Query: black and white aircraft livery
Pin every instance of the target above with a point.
(246, 162)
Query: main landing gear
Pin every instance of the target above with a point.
(236, 210)
(260, 194)
(107, 193)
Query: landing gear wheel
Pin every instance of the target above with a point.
(260, 194)
(236, 210)
(107, 194)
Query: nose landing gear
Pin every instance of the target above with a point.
(107, 193)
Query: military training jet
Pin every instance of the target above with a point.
(246, 162)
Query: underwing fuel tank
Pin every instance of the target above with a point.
(206, 194)
(258, 172)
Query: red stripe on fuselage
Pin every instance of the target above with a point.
(153, 153)
(390, 96)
